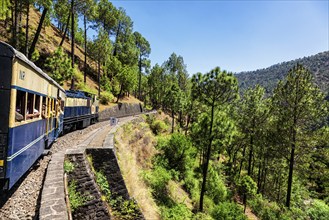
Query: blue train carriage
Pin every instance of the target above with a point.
(30, 114)
(81, 110)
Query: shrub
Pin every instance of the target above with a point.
(318, 211)
(191, 183)
(158, 127)
(216, 188)
(35, 55)
(106, 98)
(177, 212)
(202, 216)
(75, 198)
(103, 185)
(59, 66)
(68, 166)
(228, 211)
(179, 152)
(158, 179)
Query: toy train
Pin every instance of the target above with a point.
(34, 111)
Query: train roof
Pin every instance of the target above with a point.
(8, 51)
(78, 94)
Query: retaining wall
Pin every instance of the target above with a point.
(94, 207)
(104, 160)
(121, 110)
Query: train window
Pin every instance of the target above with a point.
(44, 107)
(36, 110)
(20, 105)
(30, 105)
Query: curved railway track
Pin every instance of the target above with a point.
(23, 201)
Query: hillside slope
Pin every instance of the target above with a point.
(318, 64)
(49, 40)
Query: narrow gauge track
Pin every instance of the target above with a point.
(23, 200)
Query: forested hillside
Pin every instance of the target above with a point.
(55, 35)
(269, 77)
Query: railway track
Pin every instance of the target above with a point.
(23, 201)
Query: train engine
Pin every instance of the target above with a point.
(81, 110)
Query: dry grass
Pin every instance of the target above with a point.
(135, 148)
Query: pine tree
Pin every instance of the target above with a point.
(214, 89)
(299, 108)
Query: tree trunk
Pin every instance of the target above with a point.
(291, 168)
(27, 28)
(98, 78)
(121, 88)
(250, 154)
(243, 154)
(259, 176)
(15, 27)
(205, 165)
(12, 19)
(116, 40)
(188, 118)
(65, 31)
(37, 34)
(85, 61)
(172, 121)
(140, 78)
(264, 179)
(292, 157)
(72, 42)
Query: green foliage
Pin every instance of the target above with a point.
(82, 86)
(176, 212)
(76, 199)
(202, 216)
(59, 66)
(4, 9)
(192, 184)
(216, 189)
(264, 209)
(106, 98)
(158, 179)
(68, 166)
(103, 185)
(318, 211)
(247, 186)
(179, 152)
(228, 211)
(158, 127)
(79, 37)
(128, 210)
(299, 108)
(35, 55)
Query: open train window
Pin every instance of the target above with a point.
(44, 107)
(20, 105)
(37, 103)
(30, 103)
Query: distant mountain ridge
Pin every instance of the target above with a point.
(268, 77)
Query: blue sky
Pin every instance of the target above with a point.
(234, 35)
